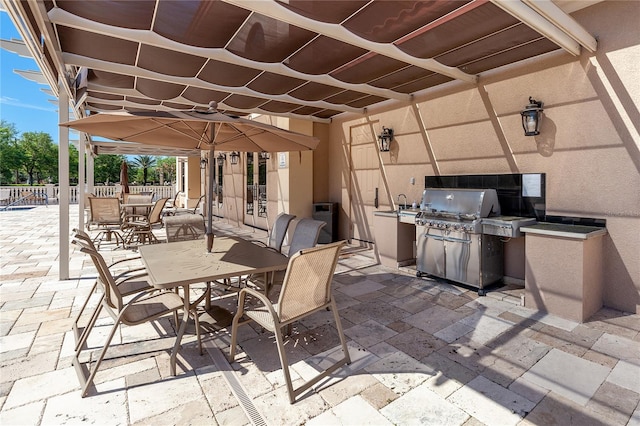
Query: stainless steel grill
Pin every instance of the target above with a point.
(449, 238)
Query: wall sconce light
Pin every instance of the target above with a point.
(203, 163)
(531, 117)
(235, 157)
(385, 138)
(265, 155)
(221, 157)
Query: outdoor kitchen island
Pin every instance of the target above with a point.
(395, 238)
(563, 274)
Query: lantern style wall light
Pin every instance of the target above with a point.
(385, 138)
(265, 155)
(203, 163)
(221, 157)
(235, 157)
(531, 117)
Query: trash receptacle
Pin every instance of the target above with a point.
(328, 213)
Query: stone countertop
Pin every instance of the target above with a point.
(395, 213)
(388, 213)
(578, 232)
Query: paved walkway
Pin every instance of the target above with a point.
(423, 352)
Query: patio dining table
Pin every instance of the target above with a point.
(182, 263)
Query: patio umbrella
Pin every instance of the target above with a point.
(209, 130)
(124, 177)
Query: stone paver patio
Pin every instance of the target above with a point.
(423, 352)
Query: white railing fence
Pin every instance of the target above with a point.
(49, 193)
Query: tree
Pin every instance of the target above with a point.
(106, 168)
(145, 162)
(167, 169)
(11, 156)
(73, 165)
(41, 155)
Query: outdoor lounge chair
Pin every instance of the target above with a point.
(306, 290)
(145, 306)
(106, 215)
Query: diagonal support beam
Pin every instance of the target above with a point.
(565, 22)
(531, 18)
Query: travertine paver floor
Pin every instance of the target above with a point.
(423, 352)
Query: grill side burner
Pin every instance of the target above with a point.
(449, 238)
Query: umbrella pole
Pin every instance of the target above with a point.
(211, 164)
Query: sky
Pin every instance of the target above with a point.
(22, 102)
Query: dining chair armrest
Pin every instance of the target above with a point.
(260, 296)
(117, 262)
(122, 277)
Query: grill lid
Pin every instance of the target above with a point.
(465, 204)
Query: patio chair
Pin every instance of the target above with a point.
(106, 215)
(184, 227)
(129, 282)
(5, 196)
(145, 306)
(306, 290)
(130, 212)
(34, 197)
(191, 210)
(87, 210)
(278, 232)
(172, 205)
(140, 228)
(274, 242)
(305, 235)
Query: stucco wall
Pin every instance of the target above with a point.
(588, 146)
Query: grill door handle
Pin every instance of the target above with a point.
(434, 237)
(457, 240)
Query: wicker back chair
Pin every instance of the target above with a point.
(306, 290)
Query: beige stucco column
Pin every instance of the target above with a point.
(295, 172)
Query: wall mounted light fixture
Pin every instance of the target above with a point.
(203, 163)
(531, 117)
(385, 138)
(220, 159)
(235, 157)
(265, 155)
